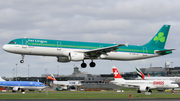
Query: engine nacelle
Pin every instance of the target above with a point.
(74, 56)
(63, 59)
(144, 88)
(16, 89)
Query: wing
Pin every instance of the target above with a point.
(97, 52)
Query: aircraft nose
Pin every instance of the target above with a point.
(5, 47)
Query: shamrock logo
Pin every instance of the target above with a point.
(160, 37)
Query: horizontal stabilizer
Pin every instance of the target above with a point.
(164, 51)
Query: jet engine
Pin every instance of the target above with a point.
(74, 56)
(63, 59)
(144, 88)
(15, 89)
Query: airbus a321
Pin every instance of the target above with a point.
(143, 85)
(67, 51)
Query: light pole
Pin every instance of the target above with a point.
(28, 70)
(13, 72)
(171, 64)
(58, 71)
(16, 71)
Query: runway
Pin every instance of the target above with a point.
(171, 99)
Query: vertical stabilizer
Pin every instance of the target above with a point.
(140, 74)
(2, 79)
(159, 40)
(51, 78)
(116, 73)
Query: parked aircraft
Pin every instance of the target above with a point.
(143, 85)
(64, 84)
(21, 85)
(67, 51)
(140, 74)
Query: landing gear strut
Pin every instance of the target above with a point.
(22, 61)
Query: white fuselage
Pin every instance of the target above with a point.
(67, 83)
(48, 51)
(151, 84)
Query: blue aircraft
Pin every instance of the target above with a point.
(21, 85)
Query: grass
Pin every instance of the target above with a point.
(84, 95)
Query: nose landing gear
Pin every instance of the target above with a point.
(22, 61)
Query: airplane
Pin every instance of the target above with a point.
(21, 85)
(141, 75)
(142, 85)
(67, 51)
(64, 84)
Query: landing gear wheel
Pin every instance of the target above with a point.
(92, 64)
(83, 65)
(21, 61)
(138, 91)
(150, 91)
(22, 90)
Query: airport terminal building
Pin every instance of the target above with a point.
(102, 80)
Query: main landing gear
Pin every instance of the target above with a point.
(92, 64)
(22, 61)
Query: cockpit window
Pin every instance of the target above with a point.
(12, 42)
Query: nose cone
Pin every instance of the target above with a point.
(6, 47)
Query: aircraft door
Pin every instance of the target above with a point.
(145, 51)
(58, 45)
(24, 43)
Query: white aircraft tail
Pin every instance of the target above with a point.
(117, 75)
(2, 79)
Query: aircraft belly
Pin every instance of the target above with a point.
(127, 56)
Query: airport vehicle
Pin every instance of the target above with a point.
(142, 85)
(63, 84)
(21, 85)
(141, 75)
(67, 51)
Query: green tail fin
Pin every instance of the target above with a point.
(159, 40)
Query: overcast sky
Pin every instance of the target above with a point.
(105, 21)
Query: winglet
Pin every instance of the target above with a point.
(127, 44)
(139, 73)
(116, 73)
(148, 74)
